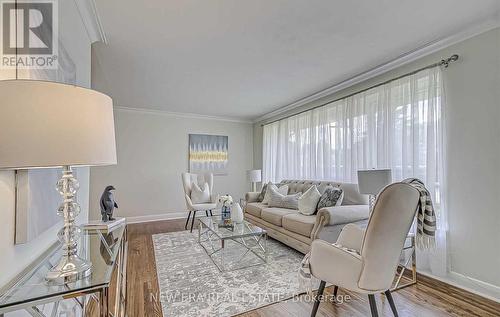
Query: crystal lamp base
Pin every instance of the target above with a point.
(71, 266)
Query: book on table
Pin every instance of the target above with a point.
(101, 225)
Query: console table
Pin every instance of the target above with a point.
(103, 293)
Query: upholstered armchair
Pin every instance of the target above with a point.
(188, 181)
(365, 260)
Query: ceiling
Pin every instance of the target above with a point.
(242, 59)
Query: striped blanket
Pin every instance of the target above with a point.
(426, 217)
(305, 276)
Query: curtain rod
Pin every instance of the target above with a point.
(444, 62)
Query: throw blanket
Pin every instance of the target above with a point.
(426, 218)
(305, 277)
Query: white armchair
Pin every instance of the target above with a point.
(188, 179)
(365, 261)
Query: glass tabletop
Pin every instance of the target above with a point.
(235, 230)
(98, 246)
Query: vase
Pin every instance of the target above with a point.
(236, 213)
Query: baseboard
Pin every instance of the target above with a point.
(159, 217)
(454, 289)
(477, 286)
(468, 284)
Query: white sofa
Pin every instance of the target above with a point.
(297, 230)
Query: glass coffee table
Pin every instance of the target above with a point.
(233, 247)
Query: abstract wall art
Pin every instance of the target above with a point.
(208, 154)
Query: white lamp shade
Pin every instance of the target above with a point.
(371, 182)
(46, 124)
(254, 176)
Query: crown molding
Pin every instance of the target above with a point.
(406, 58)
(90, 17)
(181, 114)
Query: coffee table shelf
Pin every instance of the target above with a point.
(233, 247)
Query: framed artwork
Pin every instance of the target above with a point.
(208, 154)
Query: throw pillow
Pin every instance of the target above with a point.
(263, 192)
(277, 199)
(331, 197)
(341, 199)
(309, 201)
(322, 187)
(283, 189)
(200, 195)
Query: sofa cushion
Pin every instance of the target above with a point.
(255, 208)
(282, 231)
(299, 223)
(274, 215)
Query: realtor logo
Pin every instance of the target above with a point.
(29, 34)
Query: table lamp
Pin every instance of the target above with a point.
(254, 176)
(371, 182)
(46, 124)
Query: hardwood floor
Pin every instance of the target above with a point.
(427, 298)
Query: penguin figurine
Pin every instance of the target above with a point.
(108, 204)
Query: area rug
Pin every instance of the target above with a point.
(191, 285)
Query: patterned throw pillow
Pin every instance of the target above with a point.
(263, 192)
(277, 199)
(331, 197)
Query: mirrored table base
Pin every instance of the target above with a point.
(92, 301)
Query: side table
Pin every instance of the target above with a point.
(107, 251)
(404, 267)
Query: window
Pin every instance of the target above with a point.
(397, 125)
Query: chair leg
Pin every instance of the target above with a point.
(373, 305)
(317, 299)
(187, 221)
(192, 222)
(206, 213)
(391, 303)
(211, 213)
(335, 290)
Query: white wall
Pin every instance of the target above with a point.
(472, 88)
(16, 257)
(152, 151)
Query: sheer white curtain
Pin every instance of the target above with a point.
(398, 125)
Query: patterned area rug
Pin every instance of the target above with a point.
(191, 285)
